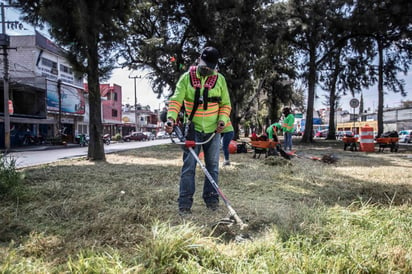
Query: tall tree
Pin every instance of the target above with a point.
(361, 105)
(89, 31)
(308, 26)
(239, 35)
(276, 68)
(337, 73)
(344, 71)
(167, 37)
(163, 39)
(330, 78)
(387, 25)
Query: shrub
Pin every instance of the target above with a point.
(10, 179)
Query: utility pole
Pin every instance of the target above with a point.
(135, 99)
(5, 43)
(59, 92)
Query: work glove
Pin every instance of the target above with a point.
(220, 126)
(169, 125)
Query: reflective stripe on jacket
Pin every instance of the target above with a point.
(228, 128)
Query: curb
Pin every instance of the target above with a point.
(38, 148)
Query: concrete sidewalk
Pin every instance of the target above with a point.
(38, 147)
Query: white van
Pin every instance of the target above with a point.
(405, 136)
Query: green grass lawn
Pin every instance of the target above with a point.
(303, 215)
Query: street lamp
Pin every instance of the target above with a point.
(135, 98)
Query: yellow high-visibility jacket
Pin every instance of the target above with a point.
(203, 120)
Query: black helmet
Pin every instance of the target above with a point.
(210, 57)
(286, 111)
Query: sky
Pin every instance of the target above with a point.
(370, 96)
(145, 95)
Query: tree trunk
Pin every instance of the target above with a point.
(96, 146)
(380, 89)
(308, 134)
(332, 103)
(332, 106)
(235, 119)
(273, 108)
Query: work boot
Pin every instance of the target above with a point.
(213, 206)
(184, 212)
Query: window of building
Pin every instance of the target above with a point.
(66, 69)
(82, 129)
(51, 64)
(111, 96)
(114, 112)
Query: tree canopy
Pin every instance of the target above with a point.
(167, 38)
(89, 31)
(339, 45)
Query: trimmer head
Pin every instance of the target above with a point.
(231, 230)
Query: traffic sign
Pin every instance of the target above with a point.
(354, 103)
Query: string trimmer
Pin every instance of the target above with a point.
(233, 217)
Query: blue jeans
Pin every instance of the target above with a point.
(288, 140)
(226, 138)
(187, 178)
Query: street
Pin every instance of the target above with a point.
(36, 157)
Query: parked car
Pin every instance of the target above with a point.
(322, 133)
(135, 136)
(405, 136)
(162, 135)
(345, 133)
(150, 135)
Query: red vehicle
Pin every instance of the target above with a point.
(322, 133)
(135, 136)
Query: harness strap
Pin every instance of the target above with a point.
(215, 99)
(196, 103)
(209, 84)
(205, 97)
(193, 78)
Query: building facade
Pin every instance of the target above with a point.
(46, 94)
(139, 118)
(111, 96)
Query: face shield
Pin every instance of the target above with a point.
(204, 70)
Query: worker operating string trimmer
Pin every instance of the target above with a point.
(202, 92)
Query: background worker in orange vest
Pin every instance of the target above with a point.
(288, 127)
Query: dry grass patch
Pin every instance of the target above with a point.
(111, 212)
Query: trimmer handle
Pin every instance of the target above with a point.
(182, 138)
(178, 132)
